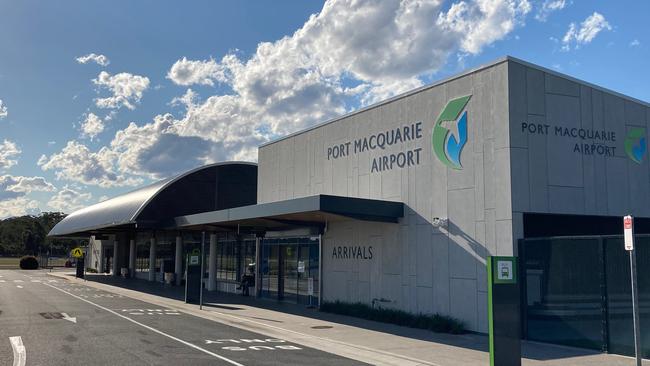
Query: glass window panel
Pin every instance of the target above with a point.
(563, 291)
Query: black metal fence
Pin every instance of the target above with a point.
(577, 292)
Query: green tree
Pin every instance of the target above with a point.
(28, 235)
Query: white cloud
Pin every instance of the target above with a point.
(296, 81)
(635, 43)
(92, 126)
(3, 110)
(186, 99)
(68, 199)
(352, 52)
(483, 22)
(98, 59)
(8, 150)
(549, 6)
(157, 150)
(127, 89)
(18, 186)
(77, 163)
(18, 207)
(13, 191)
(188, 72)
(588, 30)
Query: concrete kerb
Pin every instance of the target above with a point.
(352, 351)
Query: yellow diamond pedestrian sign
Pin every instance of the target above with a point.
(77, 252)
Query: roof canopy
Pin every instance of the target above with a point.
(210, 187)
(299, 212)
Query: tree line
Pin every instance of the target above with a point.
(27, 235)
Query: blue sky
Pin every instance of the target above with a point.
(172, 85)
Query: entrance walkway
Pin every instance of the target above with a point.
(368, 341)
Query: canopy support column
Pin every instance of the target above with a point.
(132, 258)
(116, 255)
(178, 260)
(152, 259)
(100, 254)
(212, 264)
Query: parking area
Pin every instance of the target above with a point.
(55, 322)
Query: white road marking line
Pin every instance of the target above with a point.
(20, 354)
(36, 280)
(19, 281)
(3, 281)
(69, 318)
(150, 328)
(19, 286)
(305, 335)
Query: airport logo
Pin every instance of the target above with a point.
(635, 144)
(450, 132)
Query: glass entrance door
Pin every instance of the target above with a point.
(288, 267)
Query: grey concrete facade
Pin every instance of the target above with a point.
(421, 267)
(552, 177)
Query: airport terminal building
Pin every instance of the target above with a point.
(398, 205)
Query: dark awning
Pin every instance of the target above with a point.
(210, 187)
(299, 212)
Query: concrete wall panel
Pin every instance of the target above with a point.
(464, 300)
(414, 263)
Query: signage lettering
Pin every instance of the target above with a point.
(352, 252)
(402, 159)
(593, 141)
(382, 141)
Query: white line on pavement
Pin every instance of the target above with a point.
(150, 328)
(3, 281)
(19, 286)
(20, 355)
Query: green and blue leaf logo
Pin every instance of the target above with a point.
(450, 132)
(635, 144)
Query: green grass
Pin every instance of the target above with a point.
(435, 322)
(9, 262)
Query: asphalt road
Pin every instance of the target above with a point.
(61, 323)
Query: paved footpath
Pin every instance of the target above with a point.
(46, 320)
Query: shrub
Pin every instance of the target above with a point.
(28, 262)
(435, 322)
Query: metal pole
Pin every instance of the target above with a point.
(258, 262)
(320, 269)
(202, 256)
(635, 307)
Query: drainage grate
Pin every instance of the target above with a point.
(322, 327)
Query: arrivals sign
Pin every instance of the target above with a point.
(358, 252)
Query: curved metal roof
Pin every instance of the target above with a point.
(122, 210)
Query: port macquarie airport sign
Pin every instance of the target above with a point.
(448, 137)
(590, 141)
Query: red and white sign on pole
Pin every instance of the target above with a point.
(628, 232)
